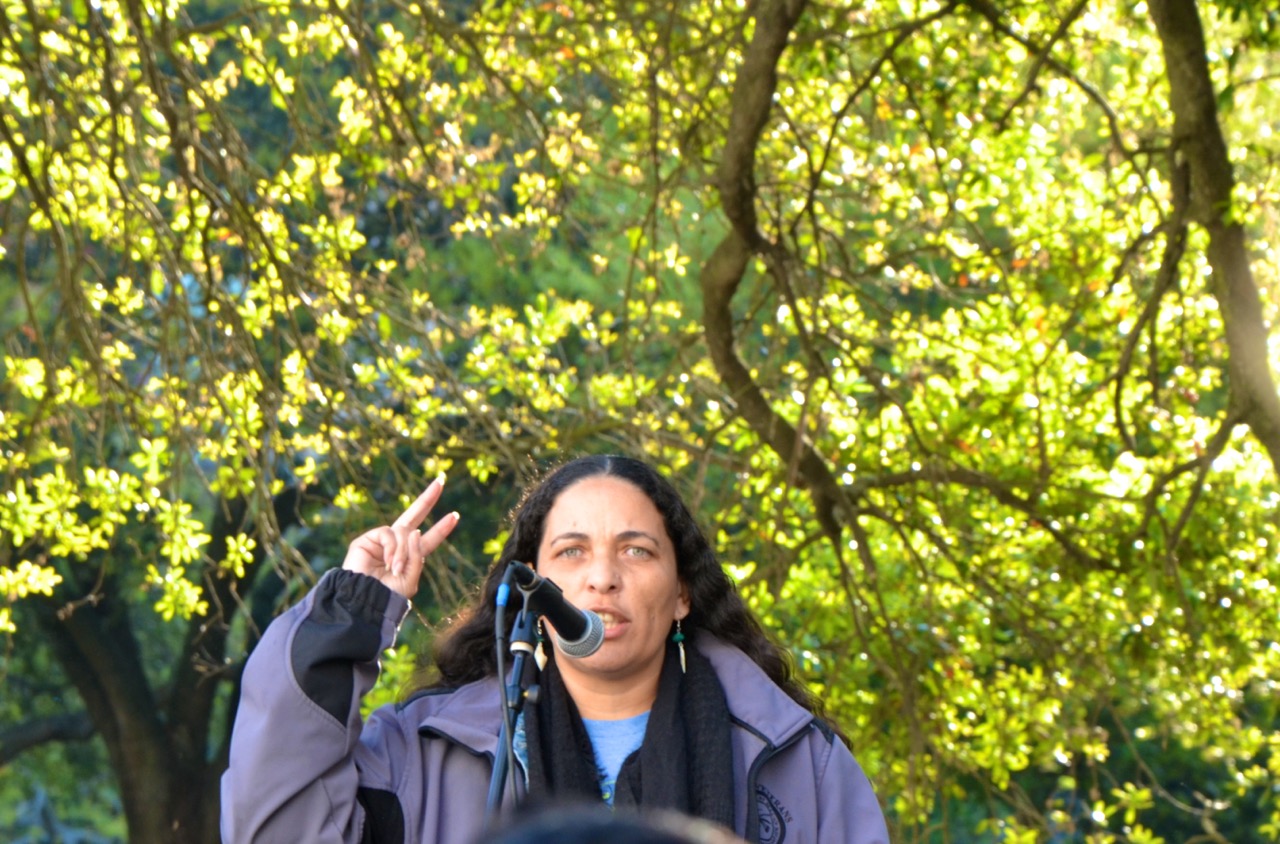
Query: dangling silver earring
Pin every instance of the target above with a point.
(540, 655)
(678, 638)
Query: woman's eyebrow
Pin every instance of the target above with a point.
(638, 534)
(624, 536)
(570, 536)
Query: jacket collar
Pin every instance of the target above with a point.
(754, 700)
(471, 715)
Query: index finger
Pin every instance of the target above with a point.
(421, 506)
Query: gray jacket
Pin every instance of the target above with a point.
(304, 768)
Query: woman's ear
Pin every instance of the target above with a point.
(682, 602)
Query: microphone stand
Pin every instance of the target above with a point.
(519, 689)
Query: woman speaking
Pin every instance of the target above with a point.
(685, 706)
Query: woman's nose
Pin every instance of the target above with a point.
(602, 575)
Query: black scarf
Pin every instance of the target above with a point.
(685, 762)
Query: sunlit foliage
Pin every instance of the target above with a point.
(925, 305)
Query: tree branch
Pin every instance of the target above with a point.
(751, 102)
(723, 272)
(18, 739)
(1199, 141)
(995, 17)
(941, 473)
(1042, 57)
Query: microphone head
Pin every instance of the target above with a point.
(586, 644)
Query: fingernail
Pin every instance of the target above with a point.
(440, 479)
(455, 515)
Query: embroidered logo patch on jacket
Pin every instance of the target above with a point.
(774, 817)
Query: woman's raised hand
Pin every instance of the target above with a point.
(395, 554)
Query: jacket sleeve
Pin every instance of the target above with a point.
(848, 810)
(302, 765)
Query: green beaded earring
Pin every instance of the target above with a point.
(678, 638)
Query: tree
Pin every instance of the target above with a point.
(973, 381)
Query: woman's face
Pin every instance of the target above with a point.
(605, 545)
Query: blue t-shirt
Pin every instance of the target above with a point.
(613, 742)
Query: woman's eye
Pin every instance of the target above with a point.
(571, 551)
(637, 551)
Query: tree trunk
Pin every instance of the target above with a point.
(160, 753)
(722, 274)
(96, 647)
(1199, 142)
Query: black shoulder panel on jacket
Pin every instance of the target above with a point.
(383, 817)
(343, 628)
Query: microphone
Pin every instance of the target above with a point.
(578, 632)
